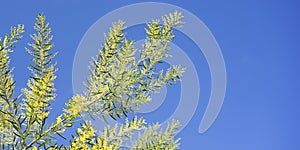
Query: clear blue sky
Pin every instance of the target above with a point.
(260, 44)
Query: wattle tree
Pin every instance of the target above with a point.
(121, 80)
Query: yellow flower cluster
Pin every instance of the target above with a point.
(76, 105)
(103, 145)
(86, 136)
(83, 136)
(39, 94)
(58, 120)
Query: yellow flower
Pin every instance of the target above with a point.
(34, 148)
(58, 120)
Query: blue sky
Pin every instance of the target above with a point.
(259, 41)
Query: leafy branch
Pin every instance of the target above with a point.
(121, 80)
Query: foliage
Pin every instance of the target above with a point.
(121, 80)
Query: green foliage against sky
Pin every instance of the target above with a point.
(121, 80)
